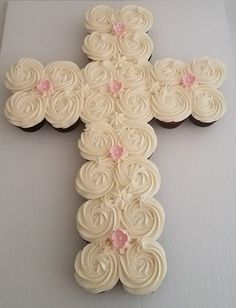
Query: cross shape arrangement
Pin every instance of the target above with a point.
(116, 95)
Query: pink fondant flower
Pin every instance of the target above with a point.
(44, 86)
(188, 80)
(118, 152)
(118, 28)
(119, 239)
(115, 86)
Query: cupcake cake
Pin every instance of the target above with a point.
(116, 95)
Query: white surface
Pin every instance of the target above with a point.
(38, 202)
(230, 8)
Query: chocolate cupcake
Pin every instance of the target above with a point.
(63, 110)
(209, 106)
(171, 105)
(26, 111)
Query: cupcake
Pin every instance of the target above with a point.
(209, 104)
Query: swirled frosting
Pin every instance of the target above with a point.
(97, 75)
(135, 18)
(136, 46)
(99, 19)
(24, 75)
(209, 72)
(96, 140)
(99, 137)
(136, 104)
(139, 174)
(64, 109)
(138, 139)
(96, 219)
(169, 71)
(96, 178)
(143, 267)
(209, 104)
(171, 103)
(25, 109)
(141, 217)
(52, 91)
(65, 75)
(105, 46)
(97, 107)
(96, 267)
(100, 46)
(135, 76)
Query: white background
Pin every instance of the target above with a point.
(38, 202)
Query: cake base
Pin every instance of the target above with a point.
(169, 125)
(68, 129)
(33, 128)
(199, 123)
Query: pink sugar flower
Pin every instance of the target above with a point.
(119, 239)
(118, 28)
(118, 152)
(188, 80)
(115, 86)
(44, 86)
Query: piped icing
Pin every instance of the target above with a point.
(141, 217)
(141, 267)
(181, 89)
(134, 18)
(99, 137)
(51, 92)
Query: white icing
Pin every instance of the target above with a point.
(134, 76)
(136, 104)
(96, 220)
(100, 46)
(105, 46)
(102, 17)
(136, 18)
(96, 267)
(171, 103)
(143, 267)
(97, 107)
(96, 140)
(64, 109)
(136, 46)
(209, 104)
(169, 71)
(143, 217)
(99, 19)
(96, 178)
(25, 109)
(209, 72)
(138, 139)
(97, 75)
(24, 75)
(65, 75)
(139, 174)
